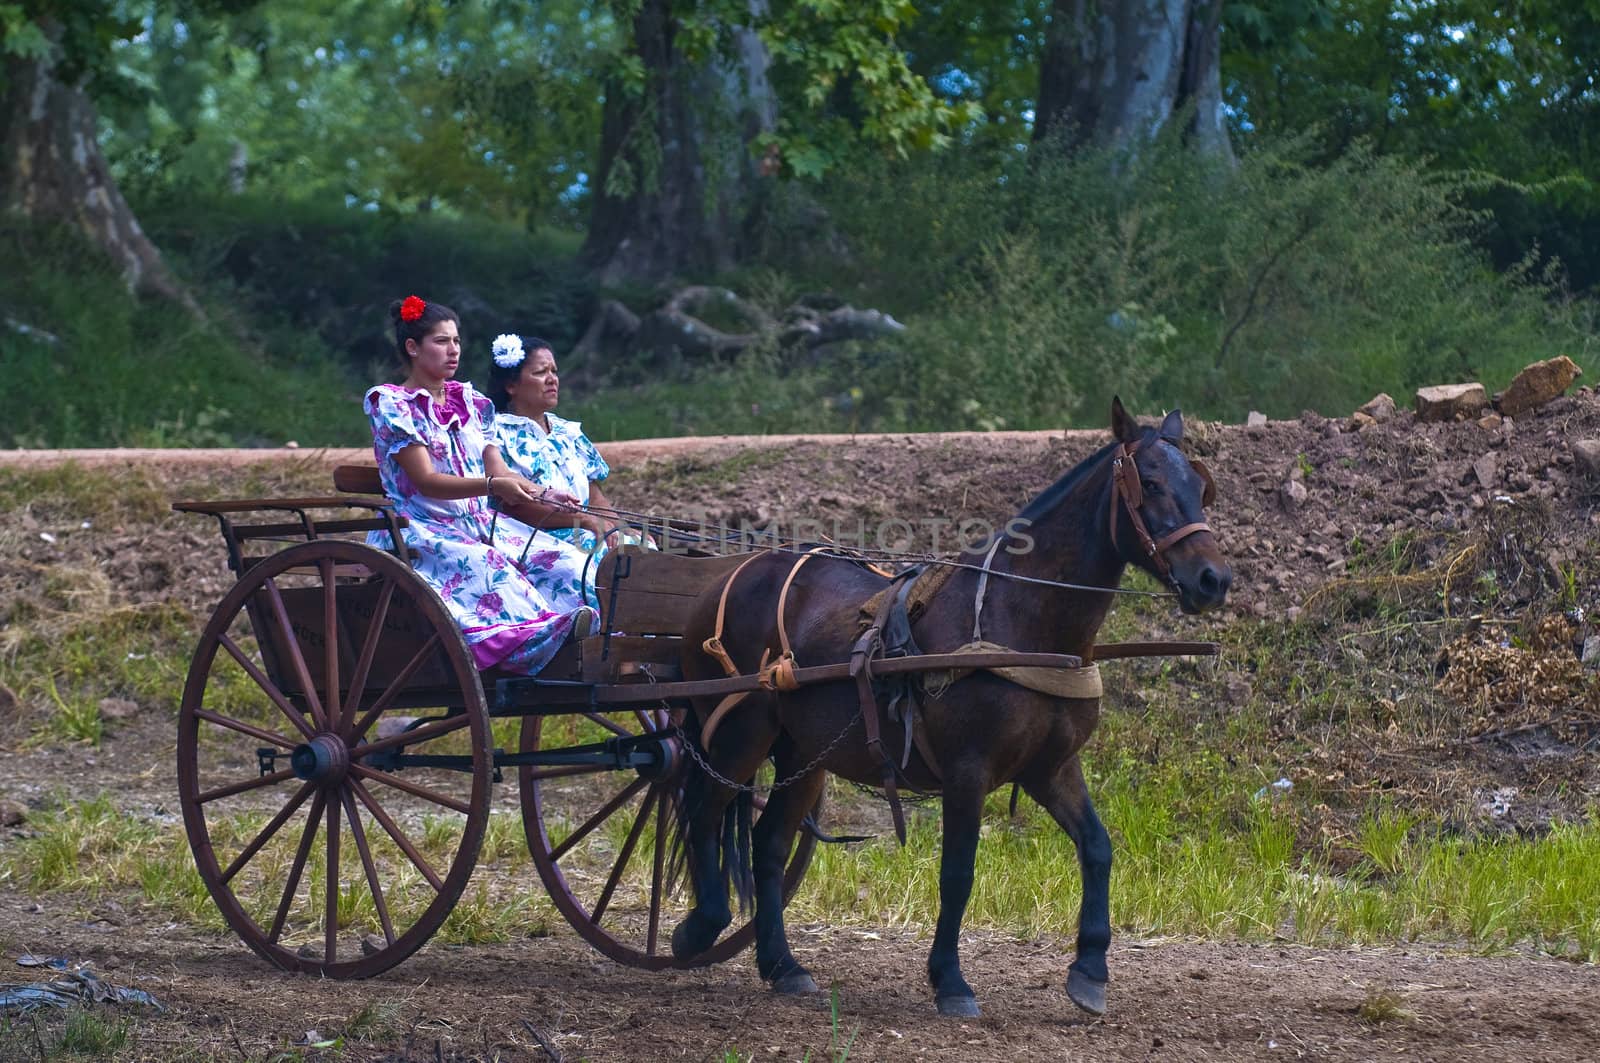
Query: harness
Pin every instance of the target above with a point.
(889, 615)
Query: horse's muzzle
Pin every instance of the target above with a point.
(1203, 587)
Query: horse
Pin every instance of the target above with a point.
(973, 735)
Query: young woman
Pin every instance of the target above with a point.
(516, 592)
(551, 452)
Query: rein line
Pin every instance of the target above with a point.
(787, 545)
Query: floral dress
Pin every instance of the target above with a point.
(562, 458)
(511, 588)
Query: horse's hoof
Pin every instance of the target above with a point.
(795, 984)
(686, 944)
(959, 1007)
(1088, 993)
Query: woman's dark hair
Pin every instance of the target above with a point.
(432, 314)
(501, 375)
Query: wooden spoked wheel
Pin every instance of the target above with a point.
(323, 665)
(600, 839)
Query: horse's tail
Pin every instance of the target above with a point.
(735, 863)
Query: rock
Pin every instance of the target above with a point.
(117, 708)
(1590, 655)
(372, 944)
(1537, 385)
(1484, 469)
(1447, 402)
(9, 705)
(1293, 614)
(1586, 452)
(1293, 495)
(1256, 419)
(1491, 421)
(12, 814)
(1236, 690)
(1380, 407)
(1359, 420)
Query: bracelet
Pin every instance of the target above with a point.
(489, 483)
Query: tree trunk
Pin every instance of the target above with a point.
(52, 169)
(1115, 72)
(675, 181)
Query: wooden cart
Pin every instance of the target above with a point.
(338, 747)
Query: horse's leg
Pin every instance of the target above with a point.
(1065, 795)
(742, 745)
(963, 811)
(774, 837)
(706, 801)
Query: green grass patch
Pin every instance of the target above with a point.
(1195, 856)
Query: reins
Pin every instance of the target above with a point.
(787, 545)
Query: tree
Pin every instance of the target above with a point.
(51, 166)
(716, 97)
(1115, 74)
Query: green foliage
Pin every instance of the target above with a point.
(103, 368)
(321, 277)
(1034, 292)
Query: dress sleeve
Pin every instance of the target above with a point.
(394, 425)
(483, 407)
(594, 466)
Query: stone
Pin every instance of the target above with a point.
(1537, 385)
(1448, 402)
(1491, 421)
(12, 814)
(1293, 614)
(1591, 652)
(1359, 420)
(1236, 690)
(1256, 419)
(1293, 495)
(117, 708)
(1380, 407)
(1484, 469)
(9, 705)
(1586, 452)
(372, 944)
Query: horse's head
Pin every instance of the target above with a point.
(1158, 521)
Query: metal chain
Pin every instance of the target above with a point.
(816, 761)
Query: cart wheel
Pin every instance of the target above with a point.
(607, 873)
(323, 852)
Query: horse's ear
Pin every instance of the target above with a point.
(1172, 427)
(1123, 427)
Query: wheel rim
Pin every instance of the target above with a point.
(322, 857)
(607, 873)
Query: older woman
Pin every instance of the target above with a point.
(550, 451)
(515, 591)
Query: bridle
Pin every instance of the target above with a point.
(1127, 494)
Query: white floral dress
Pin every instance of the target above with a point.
(562, 458)
(511, 588)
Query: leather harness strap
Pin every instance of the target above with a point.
(1127, 494)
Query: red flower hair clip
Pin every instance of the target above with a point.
(411, 308)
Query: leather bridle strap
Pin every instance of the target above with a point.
(1127, 494)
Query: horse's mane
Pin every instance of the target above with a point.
(1051, 496)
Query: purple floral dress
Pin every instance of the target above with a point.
(511, 588)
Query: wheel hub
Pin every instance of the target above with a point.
(668, 759)
(324, 759)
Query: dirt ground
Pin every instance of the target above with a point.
(1169, 999)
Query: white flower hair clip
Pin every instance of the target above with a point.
(507, 350)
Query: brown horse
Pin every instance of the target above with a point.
(1138, 501)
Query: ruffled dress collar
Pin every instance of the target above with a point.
(558, 426)
(453, 411)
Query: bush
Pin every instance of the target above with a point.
(89, 365)
(1035, 292)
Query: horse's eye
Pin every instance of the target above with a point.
(1150, 486)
